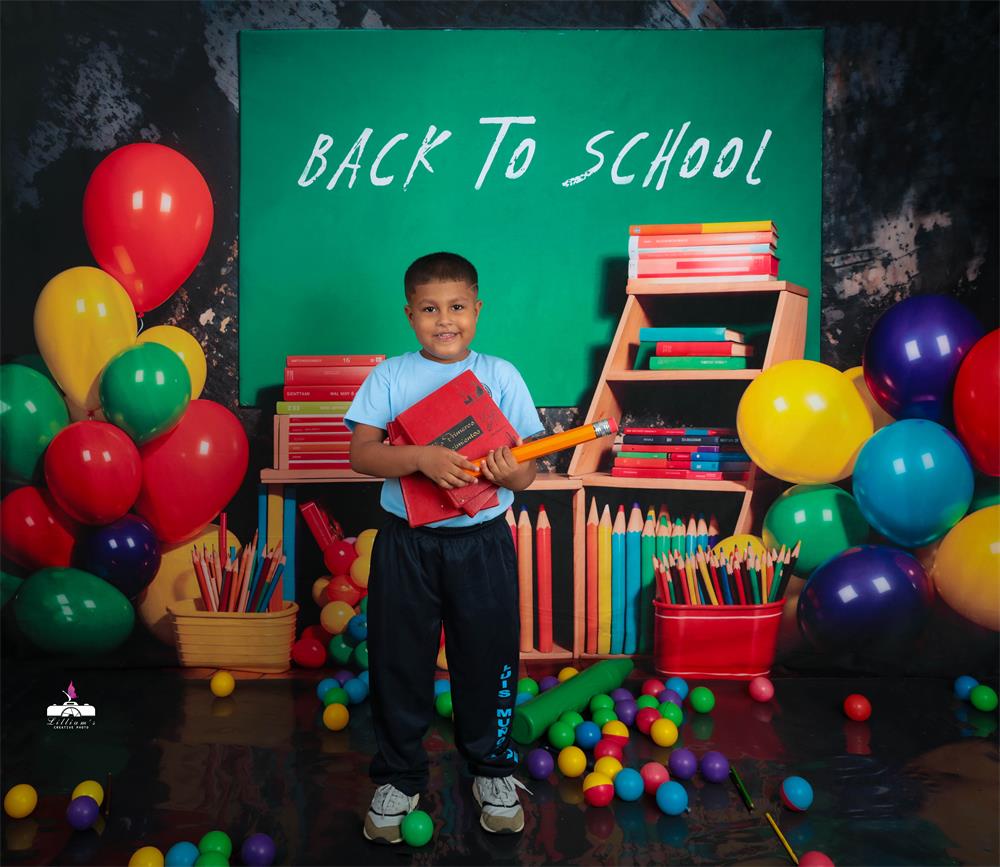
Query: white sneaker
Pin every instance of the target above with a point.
(501, 808)
(389, 807)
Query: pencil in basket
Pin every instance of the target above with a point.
(244, 583)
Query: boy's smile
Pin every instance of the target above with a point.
(443, 315)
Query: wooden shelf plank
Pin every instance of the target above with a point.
(675, 375)
(557, 652)
(606, 480)
(543, 481)
(649, 286)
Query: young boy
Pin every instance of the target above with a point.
(461, 571)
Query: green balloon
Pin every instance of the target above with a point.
(443, 705)
(69, 610)
(9, 585)
(825, 518)
(336, 695)
(145, 390)
(216, 841)
(417, 828)
(528, 684)
(36, 362)
(32, 412)
(339, 649)
(361, 654)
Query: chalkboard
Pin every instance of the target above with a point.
(530, 153)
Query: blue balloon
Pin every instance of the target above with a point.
(443, 685)
(913, 482)
(125, 553)
(181, 855)
(964, 685)
(356, 689)
(587, 735)
(678, 685)
(325, 684)
(671, 798)
(913, 353)
(629, 785)
(869, 599)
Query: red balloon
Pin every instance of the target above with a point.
(34, 531)
(190, 474)
(92, 469)
(977, 410)
(147, 214)
(308, 653)
(342, 589)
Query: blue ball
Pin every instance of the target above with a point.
(796, 794)
(356, 689)
(522, 697)
(964, 685)
(678, 685)
(443, 685)
(325, 684)
(587, 735)
(364, 676)
(181, 855)
(671, 798)
(628, 785)
(357, 628)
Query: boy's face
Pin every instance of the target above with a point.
(443, 315)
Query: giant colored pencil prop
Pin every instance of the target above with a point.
(633, 579)
(557, 442)
(647, 545)
(543, 555)
(590, 644)
(604, 582)
(524, 564)
(618, 595)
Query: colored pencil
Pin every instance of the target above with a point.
(677, 537)
(633, 580)
(706, 578)
(524, 583)
(618, 594)
(713, 531)
(590, 643)
(721, 590)
(662, 582)
(647, 553)
(259, 567)
(206, 596)
(741, 789)
(265, 600)
(688, 571)
(737, 574)
(754, 586)
(680, 579)
(781, 837)
(543, 557)
(222, 531)
(779, 563)
(604, 581)
(702, 541)
(548, 445)
(691, 540)
(662, 535)
(512, 523)
(664, 512)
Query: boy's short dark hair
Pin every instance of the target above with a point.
(436, 267)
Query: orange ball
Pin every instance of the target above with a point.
(663, 732)
(334, 617)
(336, 717)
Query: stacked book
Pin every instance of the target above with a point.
(309, 428)
(705, 454)
(705, 347)
(703, 252)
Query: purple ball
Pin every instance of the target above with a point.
(626, 711)
(682, 764)
(548, 682)
(540, 764)
(671, 696)
(258, 850)
(621, 694)
(343, 676)
(82, 812)
(714, 767)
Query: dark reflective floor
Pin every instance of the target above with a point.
(917, 784)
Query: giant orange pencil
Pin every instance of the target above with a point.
(543, 555)
(524, 582)
(591, 636)
(557, 442)
(604, 582)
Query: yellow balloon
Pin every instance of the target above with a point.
(187, 348)
(967, 567)
(880, 418)
(360, 569)
(20, 801)
(83, 318)
(334, 616)
(741, 540)
(147, 856)
(175, 580)
(803, 422)
(319, 590)
(91, 788)
(364, 542)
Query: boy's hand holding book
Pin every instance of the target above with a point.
(446, 468)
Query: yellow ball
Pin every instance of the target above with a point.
(319, 590)
(607, 765)
(572, 761)
(967, 565)
(363, 544)
(20, 801)
(336, 717)
(222, 684)
(91, 788)
(147, 856)
(615, 730)
(360, 569)
(596, 778)
(334, 617)
(566, 673)
(740, 541)
(663, 732)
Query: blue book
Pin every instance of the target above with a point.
(719, 456)
(715, 467)
(692, 334)
(633, 587)
(618, 595)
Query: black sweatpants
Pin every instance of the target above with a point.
(466, 578)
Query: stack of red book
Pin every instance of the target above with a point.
(326, 377)
(703, 252)
(704, 454)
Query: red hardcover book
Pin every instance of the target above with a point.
(761, 265)
(644, 473)
(655, 463)
(319, 392)
(312, 452)
(319, 465)
(638, 243)
(333, 360)
(678, 432)
(653, 254)
(626, 449)
(353, 375)
(703, 228)
(320, 437)
(712, 348)
(319, 430)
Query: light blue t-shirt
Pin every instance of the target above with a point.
(398, 383)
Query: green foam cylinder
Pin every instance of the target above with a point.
(532, 718)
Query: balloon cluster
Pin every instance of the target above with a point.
(117, 455)
(927, 366)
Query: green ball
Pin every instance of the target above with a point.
(668, 710)
(602, 716)
(361, 654)
(340, 650)
(364, 604)
(561, 735)
(702, 699)
(336, 695)
(417, 829)
(211, 859)
(32, 412)
(443, 705)
(216, 841)
(528, 684)
(601, 702)
(646, 701)
(983, 698)
(571, 718)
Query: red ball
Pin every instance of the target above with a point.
(814, 859)
(857, 707)
(652, 687)
(316, 633)
(338, 557)
(653, 775)
(605, 747)
(761, 689)
(645, 718)
(308, 653)
(342, 589)
(599, 796)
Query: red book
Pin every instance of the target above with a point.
(761, 265)
(424, 501)
(319, 465)
(649, 254)
(638, 243)
(319, 392)
(333, 360)
(346, 375)
(644, 473)
(721, 347)
(662, 463)
(701, 229)
(679, 432)
(310, 430)
(320, 437)
(315, 419)
(328, 455)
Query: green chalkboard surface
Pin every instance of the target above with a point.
(530, 153)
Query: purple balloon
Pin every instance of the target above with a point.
(124, 553)
(621, 694)
(82, 812)
(671, 696)
(540, 764)
(258, 850)
(343, 676)
(714, 766)
(626, 711)
(870, 598)
(548, 682)
(913, 353)
(682, 764)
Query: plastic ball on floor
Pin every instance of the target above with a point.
(522, 697)
(356, 689)
(357, 627)
(82, 812)
(626, 711)
(621, 694)
(682, 764)
(572, 761)
(566, 673)
(653, 776)
(672, 798)
(216, 841)
(325, 684)
(598, 789)
(342, 676)
(607, 748)
(442, 685)
(601, 701)
(857, 707)
(540, 764)
(182, 854)
(603, 716)
(671, 696)
(360, 654)
(964, 685)
(364, 678)
(336, 695)
(814, 859)
(714, 767)
(796, 794)
(417, 829)
(663, 732)
(339, 649)
(615, 731)
(761, 689)
(528, 684)
(258, 850)
(609, 766)
(147, 856)
(645, 718)
(548, 682)
(222, 684)
(669, 710)
(644, 701)
(443, 705)
(336, 717)
(651, 686)
(89, 787)
(702, 699)
(308, 653)
(983, 698)
(587, 735)
(678, 685)
(560, 735)
(20, 801)
(571, 717)
(629, 785)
